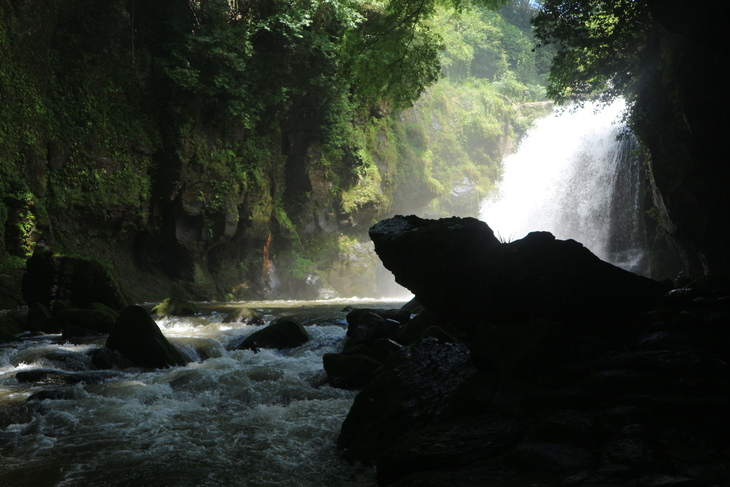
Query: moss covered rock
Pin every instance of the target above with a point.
(175, 307)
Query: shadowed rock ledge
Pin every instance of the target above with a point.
(535, 363)
(457, 268)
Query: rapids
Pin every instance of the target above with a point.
(229, 418)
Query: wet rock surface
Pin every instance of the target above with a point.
(456, 265)
(138, 338)
(281, 333)
(635, 397)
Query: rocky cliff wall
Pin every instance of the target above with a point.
(681, 117)
(103, 156)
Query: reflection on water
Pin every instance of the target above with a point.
(232, 418)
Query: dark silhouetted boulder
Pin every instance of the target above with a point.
(349, 371)
(411, 390)
(96, 320)
(40, 319)
(137, 337)
(364, 327)
(281, 333)
(457, 268)
(449, 445)
(81, 282)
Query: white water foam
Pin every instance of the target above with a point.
(567, 178)
(236, 419)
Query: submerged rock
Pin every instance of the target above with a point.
(456, 267)
(55, 376)
(244, 315)
(137, 337)
(281, 333)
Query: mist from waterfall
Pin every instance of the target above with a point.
(573, 176)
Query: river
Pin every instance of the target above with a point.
(229, 418)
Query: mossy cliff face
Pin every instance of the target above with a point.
(681, 116)
(113, 147)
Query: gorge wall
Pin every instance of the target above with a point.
(681, 117)
(114, 147)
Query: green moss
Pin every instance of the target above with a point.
(175, 307)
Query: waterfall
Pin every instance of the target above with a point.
(573, 176)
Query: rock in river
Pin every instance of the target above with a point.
(457, 267)
(137, 337)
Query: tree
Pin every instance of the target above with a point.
(394, 55)
(601, 44)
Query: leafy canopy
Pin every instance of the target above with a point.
(600, 46)
(263, 57)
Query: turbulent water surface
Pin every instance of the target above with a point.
(229, 418)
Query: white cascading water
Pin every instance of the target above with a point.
(572, 176)
(229, 418)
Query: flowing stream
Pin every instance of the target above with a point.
(229, 418)
(573, 176)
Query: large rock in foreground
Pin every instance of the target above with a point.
(456, 267)
(136, 336)
(412, 390)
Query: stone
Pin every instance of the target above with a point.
(137, 337)
(81, 282)
(40, 319)
(367, 326)
(448, 445)
(91, 319)
(244, 315)
(55, 376)
(281, 333)
(52, 395)
(457, 268)
(175, 307)
(11, 324)
(550, 457)
(349, 371)
(411, 390)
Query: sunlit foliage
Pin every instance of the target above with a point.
(600, 45)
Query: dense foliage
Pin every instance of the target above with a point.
(180, 137)
(601, 46)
